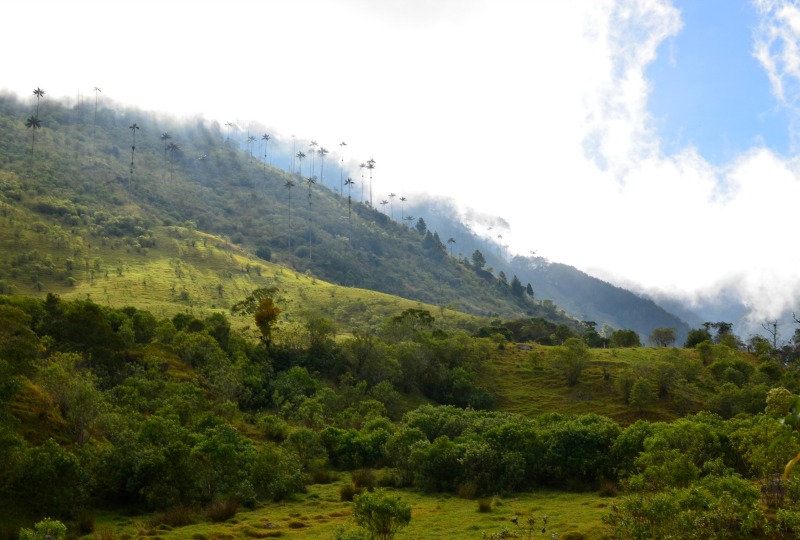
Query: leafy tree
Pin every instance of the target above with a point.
(625, 338)
(641, 396)
(516, 287)
(571, 359)
(421, 227)
(662, 337)
(697, 336)
(261, 305)
(478, 261)
(382, 514)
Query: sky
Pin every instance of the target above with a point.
(652, 143)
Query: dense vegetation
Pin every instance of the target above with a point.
(107, 407)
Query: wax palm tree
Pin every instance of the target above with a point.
(402, 201)
(310, 181)
(300, 156)
(94, 122)
(33, 123)
(451, 241)
(384, 203)
(409, 219)
(250, 140)
(289, 185)
(165, 137)
(313, 145)
(172, 147)
(228, 126)
(39, 93)
(341, 168)
(349, 182)
(322, 151)
(362, 166)
(370, 166)
(134, 128)
(266, 138)
(391, 206)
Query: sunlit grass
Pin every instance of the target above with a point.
(318, 513)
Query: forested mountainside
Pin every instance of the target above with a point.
(88, 179)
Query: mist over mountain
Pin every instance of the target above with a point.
(583, 296)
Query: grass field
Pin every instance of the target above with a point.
(319, 512)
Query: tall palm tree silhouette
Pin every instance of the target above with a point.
(250, 140)
(362, 166)
(370, 166)
(384, 202)
(341, 167)
(94, 122)
(300, 156)
(34, 124)
(39, 93)
(402, 200)
(313, 145)
(322, 151)
(409, 219)
(310, 181)
(349, 182)
(165, 137)
(228, 126)
(134, 128)
(289, 185)
(172, 147)
(391, 206)
(451, 241)
(266, 138)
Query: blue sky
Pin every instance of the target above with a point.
(709, 91)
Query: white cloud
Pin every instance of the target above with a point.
(534, 111)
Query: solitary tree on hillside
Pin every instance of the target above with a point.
(391, 204)
(266, 138)
(134, 128)
(310, 181)
(289, 185)
(451, 241)
(165, 137)
(341, 167)
(478, 260)
(370, 166)
(402, 201)
(172, 148)
(662, 337)
(362, 166)
(384, 203)
(322, 151)
(312, 152)
(300, 156)
(39, 93)
(94, 123)
(33, 123)
(250, 140)
(409, 219)
(349, 182)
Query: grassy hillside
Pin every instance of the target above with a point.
(77, 197)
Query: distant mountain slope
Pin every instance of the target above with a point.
(93, 186)
(579, 294)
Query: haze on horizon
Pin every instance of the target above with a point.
(651, 143)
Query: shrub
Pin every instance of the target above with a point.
(219, 511)
(364, 478)
(381, 514)
(484, 505)
(348, 491)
